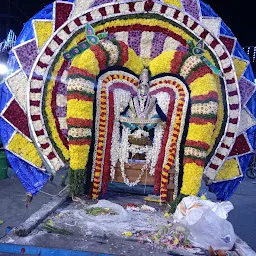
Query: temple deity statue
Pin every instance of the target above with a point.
(141, 131)
(143, 112)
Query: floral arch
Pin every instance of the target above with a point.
(157, 36)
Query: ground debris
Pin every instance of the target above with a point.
(50, 228)
(170, 236)
(96, 211)
(127, 233)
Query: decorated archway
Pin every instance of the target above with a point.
(154, 35)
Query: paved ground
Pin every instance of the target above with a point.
(244, 214)
(13, 211)
(13, 198)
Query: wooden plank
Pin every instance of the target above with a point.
(133, 170)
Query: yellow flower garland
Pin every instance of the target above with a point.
(134, 63)
(161, 64)
(79, 37)
(82, 109)
(197, 133)
(87, 61)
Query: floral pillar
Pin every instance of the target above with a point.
(81, 84)
(80, 117)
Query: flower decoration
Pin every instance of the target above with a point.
(20, 146)
(144, 30)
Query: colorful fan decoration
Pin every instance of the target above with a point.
(73, 58)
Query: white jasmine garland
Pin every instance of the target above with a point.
(126, 180)
(124, 157)
(136, 149)
(121, 99)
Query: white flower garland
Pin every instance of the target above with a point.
(121, 99)
(124, 156)
(125, 148)
(126, 180)
(120, 149)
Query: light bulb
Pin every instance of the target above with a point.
(3, 69)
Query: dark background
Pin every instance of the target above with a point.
(240, 16)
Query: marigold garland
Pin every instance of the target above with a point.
(200, 134)
(96, 66)
(85, 67)
(112, 24)
(175, 123)
(79, 114)
(87, 61)
(203, 115)
(192, 178)
(162, 63)
(133, 62)
(104, 129)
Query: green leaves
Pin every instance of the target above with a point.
(96, 211)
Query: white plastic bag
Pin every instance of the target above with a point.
(206, 222)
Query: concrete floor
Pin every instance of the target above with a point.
(243, 217)
(13, 211)
(13, 199)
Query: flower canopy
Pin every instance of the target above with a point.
(38, 108)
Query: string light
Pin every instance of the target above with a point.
(254, 54)
(251, 52)
(3, 69)
(248, 51)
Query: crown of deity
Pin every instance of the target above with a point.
(144, 77)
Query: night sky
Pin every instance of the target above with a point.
(238, 16)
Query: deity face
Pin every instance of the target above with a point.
(143, 90)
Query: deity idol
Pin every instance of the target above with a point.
(143, 112)
(142, 124)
